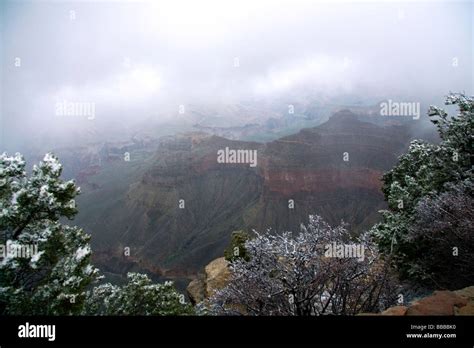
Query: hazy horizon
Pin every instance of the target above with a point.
(138, 61)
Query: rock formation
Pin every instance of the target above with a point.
(217, 275)
(459, 302)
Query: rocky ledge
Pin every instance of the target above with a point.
(459, 302)
(216, 276)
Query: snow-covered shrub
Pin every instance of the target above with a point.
(139, 296)
(293, 274)
(442, 229)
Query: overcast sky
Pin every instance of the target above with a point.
(134, 59)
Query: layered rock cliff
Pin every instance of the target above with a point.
(181, 205)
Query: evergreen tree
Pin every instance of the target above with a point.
(425, 172)
(52, 278)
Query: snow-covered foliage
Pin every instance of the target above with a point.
(139, 296)
(425, 172)
(41, 196)
(290, 274)
(54, 279)
(442, 229)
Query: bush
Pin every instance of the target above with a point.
(294, 275)
(138, 297)
(236, 249)
(443, 235)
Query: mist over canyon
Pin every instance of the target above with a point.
(174, 206)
